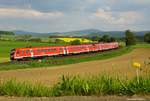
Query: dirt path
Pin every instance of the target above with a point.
(78, 98)
(115, 66)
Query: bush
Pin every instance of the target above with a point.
(75, 42)
(20, 39)
(35, 40)
(130, 38)
(107, 38)
(147, 37)
(23, 37)
(59, 41)
(6, 33)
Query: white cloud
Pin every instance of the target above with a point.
(129, 17)
(92, 1)
(7, 27)
(27, 13)
(122, 18)
(142, 1)
(102, 14)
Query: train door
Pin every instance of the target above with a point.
(65, 50)
(31, 52)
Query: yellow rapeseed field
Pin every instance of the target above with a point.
(83, 40)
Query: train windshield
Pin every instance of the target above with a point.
(12, 54)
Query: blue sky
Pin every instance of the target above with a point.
(69, 15)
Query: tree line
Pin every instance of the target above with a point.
(131, 39)
(104, 38)
(6, 33)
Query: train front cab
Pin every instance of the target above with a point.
(12, 53)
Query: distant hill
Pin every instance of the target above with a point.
(87, 32)
(92, 32)
(141, 33)
(34, 34)
(24, 32)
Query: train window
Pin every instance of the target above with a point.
(22, 51)
(61, 50)
(49, 50)
(44, 50)
(18, 52)
(53, 49)
(27, 51)
(38, 50)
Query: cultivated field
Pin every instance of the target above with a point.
(82, 40)
(120, 66)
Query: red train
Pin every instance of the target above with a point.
(40, 52)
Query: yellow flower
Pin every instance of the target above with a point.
(136, 65)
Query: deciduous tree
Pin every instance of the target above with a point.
(130, 38)
(147, 37)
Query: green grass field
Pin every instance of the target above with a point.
(144, 45)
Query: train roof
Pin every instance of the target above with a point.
(34, 47)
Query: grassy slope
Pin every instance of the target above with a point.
(141, 46)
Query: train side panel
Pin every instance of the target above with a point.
(48, 51)
(20, 53)
(38, 52)
(77, 49)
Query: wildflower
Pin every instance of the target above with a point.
(136, 65)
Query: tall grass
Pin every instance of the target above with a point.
(79, 86)
(13, 88)
(101, 85)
